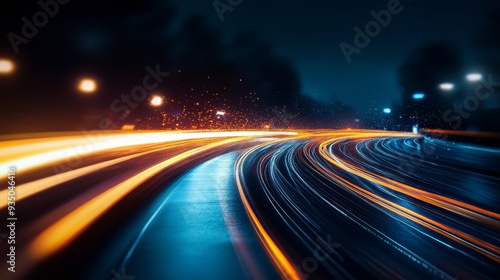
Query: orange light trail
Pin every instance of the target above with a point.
(280, 260)
(489, 250)
(61, 233)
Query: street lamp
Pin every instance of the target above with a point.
(87, 86)
(446, 86)
(156, 101)
(474, 77)
(6, 66)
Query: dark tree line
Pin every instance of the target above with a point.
(114, 42)
(469, 106)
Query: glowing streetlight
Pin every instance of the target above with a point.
(157, 101)
(6, 66)
(87, 86)
(446, 86)
(474, 77)
(387, 110)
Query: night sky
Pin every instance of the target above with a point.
(273, 54)
(309, 33)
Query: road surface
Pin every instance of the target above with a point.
(257, 205)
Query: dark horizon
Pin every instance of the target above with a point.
(317, 64)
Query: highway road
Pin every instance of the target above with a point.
(319, 204)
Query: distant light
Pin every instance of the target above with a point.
(6, 66)
(157, 101)
(128, 127)
(415, 129)
(221, 113)
(87, 86)
(387, 110)
(356, 120)
(447, 86)
(419, 95)
(474, 77)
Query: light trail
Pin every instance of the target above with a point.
(32, 188)
(276, 254)
(293, 178)
(68, 228)
(439, 218)
(27, 155)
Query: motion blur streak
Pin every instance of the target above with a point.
(344, 204)
(29, 154)
(279, 259)
(68, 228)
(438, 200)
(440, 213)
(109, 167)
(32, 188)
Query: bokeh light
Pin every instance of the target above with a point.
(474, 77)
(446, 86)
(157, 101)
(6, 66)
(87, 86)
(419, 95)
